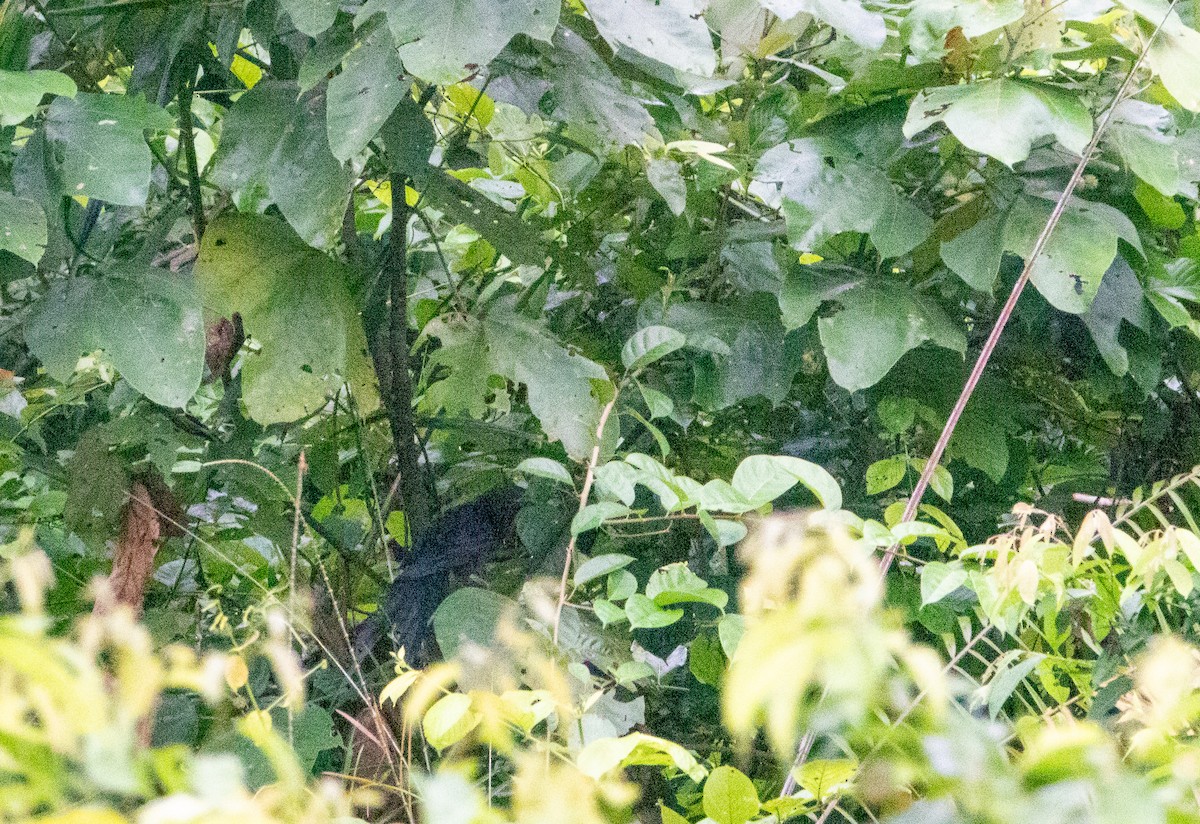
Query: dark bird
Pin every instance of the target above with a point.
(457, 543)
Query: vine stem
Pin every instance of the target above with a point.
(588, 479)
(993, 338)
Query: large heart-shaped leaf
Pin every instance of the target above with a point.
(297, 306)
(450, 40)
(1003, 118)
(21, 92)
(274, 149)
(147, 321)
(103, 147)
(673, 33)
(875, 326)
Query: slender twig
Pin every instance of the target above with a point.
(993, 338)
(187, 142)
(588, 478)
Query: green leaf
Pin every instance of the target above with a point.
(1174, 55)
(608, 612)
(1008, 676)
(365, 93)
(648, 345)
(274, 149)
(645, 614)
(509, 344)
(591, 101)
(147, 321)
(1003, 118)
(101, 140)
(939, 580)
(546, 468)
(730, 797)
(885, 474)
(469, 615)
(673, 33)
(975, 254)
(600, 566)
(1120, 298)
(827, 776)
(450, 40)
(593, 516)
(1078, 253)
(677, 584)
(296, 304)
(761, 479)
(926, 25)
(658, 404)
(940, 481)
(21, 92)
(666, 176)
(1163, 211)
(803, 292)
(730, 630)
(850, 18)
(604, 755)
(449, 720)
(1141, 134)
(22, 227)
(621, 584)
(311, 16)
(515, 239)
(875, 327)
(823, 191)
(705, 660)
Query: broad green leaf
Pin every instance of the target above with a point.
(761, 479)
(939, 580)
(719, 496)
(927, 23)
(648, 345)
(469, 615)
(827, 776)
(1120, 298)
(677, 584)
(672, 33)
(750, 353)
(885, 474)
(850, 18)
(22, 227)
(274, 149)
(593, 516)
(311, 16)
(1003, 118)
(147, 321)
(658, 404)
(450, 40)
(730, 630)
(1141, 134)
(823, 191)
(1164, 212)
(729, 796)
(511, 345)
(1174, 55)
(546, 468)
(1008, 676)
(296, 304)
(449, 720)
(617, 479)
(975, 254)
(620, 585)
(600, 566)
(804, 291)
(512, 237)
(591, 101)
(645, 614)
(875, 327)
(608, 612)
(604, 755)
(21, 92)
(1078, 253)
(363, 96)
(940, 481)
(101, 139)
(666, 176)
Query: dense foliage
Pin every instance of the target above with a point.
(280, 280)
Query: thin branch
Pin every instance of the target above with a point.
(588, 479)
(187, 142)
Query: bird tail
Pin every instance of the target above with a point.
(405, 615)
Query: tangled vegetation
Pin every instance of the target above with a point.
(723, 287)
